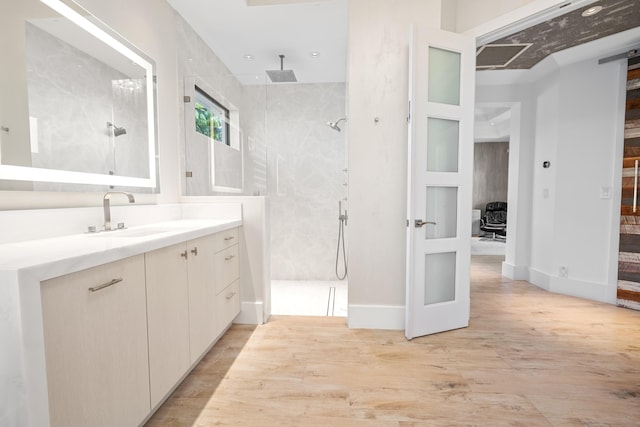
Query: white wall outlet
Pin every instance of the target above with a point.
(563, 271)
(605, 192)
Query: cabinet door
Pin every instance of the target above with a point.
(96, 346)
(202, 295)
(168, 318)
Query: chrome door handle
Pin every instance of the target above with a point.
(419, 223)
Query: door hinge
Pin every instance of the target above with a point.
(409, 113)
(189, 174)
(187, 99)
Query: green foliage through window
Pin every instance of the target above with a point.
(211, 118)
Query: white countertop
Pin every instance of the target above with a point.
(48, 258)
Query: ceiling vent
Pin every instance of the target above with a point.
(499, 55)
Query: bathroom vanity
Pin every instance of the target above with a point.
(110, 323)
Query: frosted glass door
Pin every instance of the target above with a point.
(439, 182)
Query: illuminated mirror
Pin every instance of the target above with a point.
(77, 102)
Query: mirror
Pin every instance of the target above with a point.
(77, 102)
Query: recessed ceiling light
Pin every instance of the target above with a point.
(315, 54)
(249, 57)
(592, 11)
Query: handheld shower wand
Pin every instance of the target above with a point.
(334, 125)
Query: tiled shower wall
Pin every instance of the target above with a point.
(306, 180)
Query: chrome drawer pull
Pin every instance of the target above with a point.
(231, 295)
(228, 258)
(184, 254)
(105, 285)
(226, 239)
(195, 251)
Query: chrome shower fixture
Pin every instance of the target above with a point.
(282, 75)
(334, 125)
(117, 131)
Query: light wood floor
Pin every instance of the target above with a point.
(528, 358)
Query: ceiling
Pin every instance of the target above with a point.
(265, 29)
(562, 32)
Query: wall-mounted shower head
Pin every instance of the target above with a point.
(334, 125)
(117, 131)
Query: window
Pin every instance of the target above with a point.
(212, 119)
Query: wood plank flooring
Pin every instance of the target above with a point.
(528, 358)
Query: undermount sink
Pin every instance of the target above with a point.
(135, 232)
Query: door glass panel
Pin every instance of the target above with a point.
(442, 209)
(439, 277)
(442, 145)
(444, 76)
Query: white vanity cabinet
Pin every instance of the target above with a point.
(168, 318)
(227, 282)
(183, 305)
(95, 336)
(203, 327)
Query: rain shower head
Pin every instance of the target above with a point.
(117, 131)
(334, 125)
(282, 75)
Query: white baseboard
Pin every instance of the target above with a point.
(251, 313)
(376, 317)
(577, 288)
(539, 278)
(580, 288)
(515, 272)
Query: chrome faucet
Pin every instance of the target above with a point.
(107, 206)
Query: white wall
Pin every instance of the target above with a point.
(377, 88)
(571, 116)
(470, 13)
(580, 115)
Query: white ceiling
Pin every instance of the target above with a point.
(267, 28)
(296, 28)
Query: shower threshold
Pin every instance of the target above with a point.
(309, 298)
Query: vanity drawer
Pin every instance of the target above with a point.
(228, 304)
(227, 267)
(225, 239)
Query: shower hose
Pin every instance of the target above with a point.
(344, 252)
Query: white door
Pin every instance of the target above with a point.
(440, 163)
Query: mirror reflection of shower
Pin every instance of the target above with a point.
(334, 125)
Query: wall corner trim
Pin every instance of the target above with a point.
(251, 313)
(515, 272)
(391, 317)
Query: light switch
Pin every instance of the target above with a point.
(605, 192)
